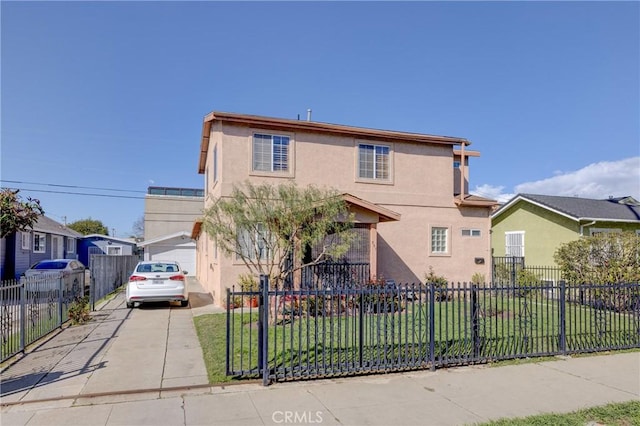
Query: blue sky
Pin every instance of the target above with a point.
(112, 94)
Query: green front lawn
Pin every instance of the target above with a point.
(619, 414)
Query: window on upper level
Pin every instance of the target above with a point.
(270, 153)
(374, 162)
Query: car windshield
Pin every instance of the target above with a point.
(157, 267)
(50, 265)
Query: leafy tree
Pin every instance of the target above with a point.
(604, 258)
(89, 226)
(138, 227)
(269, 227)
(17, 214)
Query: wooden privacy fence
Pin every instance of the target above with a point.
(108, 273)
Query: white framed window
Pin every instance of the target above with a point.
(253, 243)
(71, 245)
(439, 240)
(471, 233)
(114, 250)
(215, 164)
(39, 242)
(374, 162)
(514, 244)
(596, 231)
(270, 153)
(25, 238)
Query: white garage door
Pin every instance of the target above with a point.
(185, 256)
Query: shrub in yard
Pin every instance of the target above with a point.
(79, 310)
(478, 278)
(440, 283)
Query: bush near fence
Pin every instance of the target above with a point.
(32, 307)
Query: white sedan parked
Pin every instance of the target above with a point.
(154, 281)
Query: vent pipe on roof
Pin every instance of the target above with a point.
(309, 114)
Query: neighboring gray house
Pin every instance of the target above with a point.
(47, 240)
(104, 244)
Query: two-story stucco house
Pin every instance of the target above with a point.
(409, 191)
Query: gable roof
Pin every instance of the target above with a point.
(317, 127)
(49, 226)
(621, 209)
(109, 238)
(179, 234)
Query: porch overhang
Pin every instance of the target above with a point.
(384, 215)
(474, 201)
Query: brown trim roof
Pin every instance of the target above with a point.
(314, 126)
(384, 215)
(474, 201)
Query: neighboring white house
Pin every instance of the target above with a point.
(169, 214)
(177, 246)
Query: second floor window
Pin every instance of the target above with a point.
(373, 162)
(270, 153)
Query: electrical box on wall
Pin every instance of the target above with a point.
(479, 260)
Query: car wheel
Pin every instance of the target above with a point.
(130, 305)
(184, 303)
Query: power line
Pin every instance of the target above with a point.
(79, 193)
(73, 186)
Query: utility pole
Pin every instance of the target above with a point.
(113, 232)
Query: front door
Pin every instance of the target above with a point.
(56, 247)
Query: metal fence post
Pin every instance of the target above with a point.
(23, 314)
(263, 329)
(228, 331)
(361, 330)
(432, 326)
(475, 321)
(563, 317)
(60, 298)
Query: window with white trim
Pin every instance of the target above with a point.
(471, 233)
(39, 242)
(71, 245)
(25, 238)
(514, 244)
(253, 243)
(374, 162)
(270, 153)
(596, 231)
(114, 250)
(439, 240)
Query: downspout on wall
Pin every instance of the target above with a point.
(583, 226)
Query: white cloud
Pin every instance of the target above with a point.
(597, 180)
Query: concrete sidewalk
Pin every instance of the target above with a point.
(145, 366)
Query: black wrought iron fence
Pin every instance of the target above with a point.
(32, 307)
(317, 332)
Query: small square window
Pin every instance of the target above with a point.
(439, 240)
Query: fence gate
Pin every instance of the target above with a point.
(505, 270)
